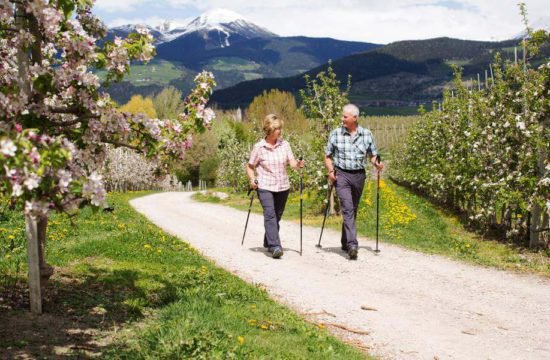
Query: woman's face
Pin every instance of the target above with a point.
(276, 134)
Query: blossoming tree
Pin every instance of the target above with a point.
(55, 120)
(486, 153)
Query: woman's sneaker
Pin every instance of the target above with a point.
(277, 253)
(352, 252)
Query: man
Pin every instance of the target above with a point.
(347, 148)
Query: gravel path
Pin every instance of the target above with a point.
(422, 306)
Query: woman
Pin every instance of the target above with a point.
(269, 158)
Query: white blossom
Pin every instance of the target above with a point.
(8, 147)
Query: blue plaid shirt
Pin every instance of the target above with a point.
(349, 152)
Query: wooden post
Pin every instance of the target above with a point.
(33, 251)
(478, 83)
(515, 55)
(492, 78)
(486, 80)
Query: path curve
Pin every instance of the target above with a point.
(426, 307)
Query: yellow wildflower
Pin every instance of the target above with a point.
(240, 339)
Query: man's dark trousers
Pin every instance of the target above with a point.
(273, 204)
(349, 187)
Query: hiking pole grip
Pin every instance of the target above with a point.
(250, 190)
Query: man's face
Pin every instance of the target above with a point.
(348, 120)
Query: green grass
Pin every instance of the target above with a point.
(158, 72)
(252, 76)
(411, 221)
(459, 63)
(147, 295)
(233, 64)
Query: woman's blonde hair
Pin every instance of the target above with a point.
(271, 123)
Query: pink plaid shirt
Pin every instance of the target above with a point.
(270, 163)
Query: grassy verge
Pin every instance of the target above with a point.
(124, 289)
(409, 220)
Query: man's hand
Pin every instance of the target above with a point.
(375, 161)
(332, 177)
(378, 166)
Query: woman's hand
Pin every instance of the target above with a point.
(254, 184)
(300, 164)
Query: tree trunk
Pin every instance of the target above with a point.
(33, 250)
(46, 270)
(39, 270)
(22, 57)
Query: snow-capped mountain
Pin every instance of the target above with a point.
(218, 28)
(219, 25)
(124, 30)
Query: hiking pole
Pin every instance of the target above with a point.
(301, 198)
(326, 213)
(249, 208)
(377, 201)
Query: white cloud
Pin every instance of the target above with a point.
(151, 20)
(118, 5)
(380, 21)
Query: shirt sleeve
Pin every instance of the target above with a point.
(254, 156)
(290, 155)
(371, 146)
(329, 150)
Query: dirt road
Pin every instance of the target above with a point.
(422, 306)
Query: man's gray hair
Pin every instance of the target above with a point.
(351, 109)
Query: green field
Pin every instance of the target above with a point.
(157, 72)
(124, 289)
(233, 64)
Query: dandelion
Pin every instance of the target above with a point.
(147, 246)
(263, 327)
(240, 339)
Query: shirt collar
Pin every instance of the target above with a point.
(360, 130)
(265, 144)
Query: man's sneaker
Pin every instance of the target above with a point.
(352, 252)
(277, 253)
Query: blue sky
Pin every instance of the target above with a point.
(380, 21)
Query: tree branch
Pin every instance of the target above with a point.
(118, 143)
(9, 29)
(67, 110)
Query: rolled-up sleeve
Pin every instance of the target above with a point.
(371, 146)
(254, 156)
(289, 153)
